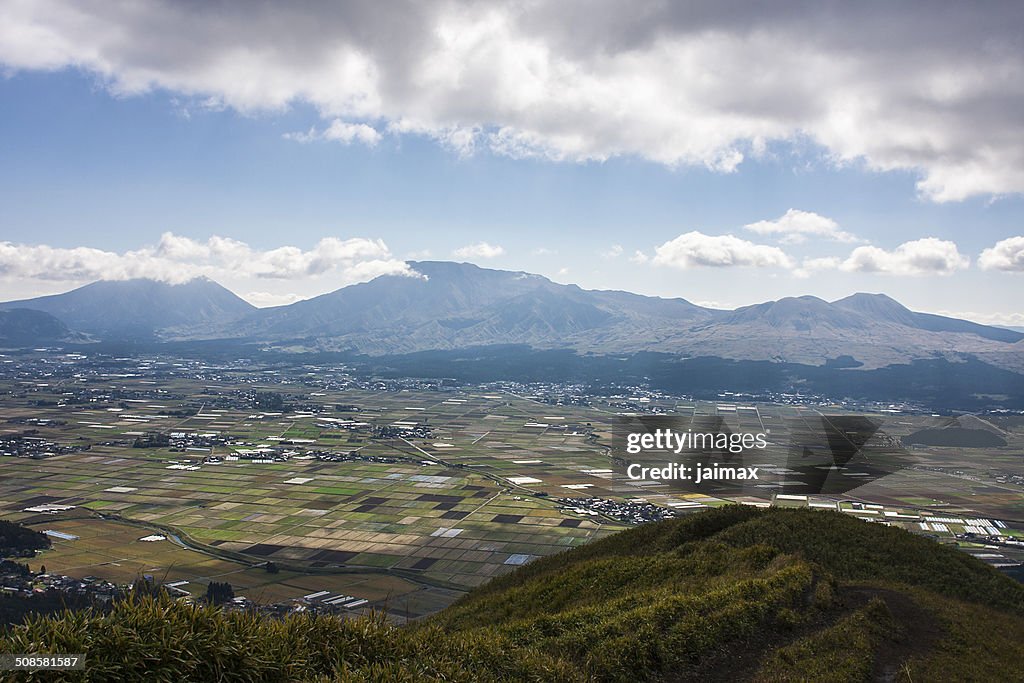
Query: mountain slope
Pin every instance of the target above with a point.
(873, 330)
(800, 314)
(880, 307)
(459, 305)
(730, 594)
(455, 305)
(26, 327)
(689, 599)
(138, 308)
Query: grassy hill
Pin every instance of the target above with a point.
(730, 594)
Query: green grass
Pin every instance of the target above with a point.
(979, 644)
(160, 640)
(734, 593)
(842, 652)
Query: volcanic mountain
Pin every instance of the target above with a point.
(457, 305)
(26, 327)
(446, 306)
(139, 308)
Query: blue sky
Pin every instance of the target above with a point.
(90, 157)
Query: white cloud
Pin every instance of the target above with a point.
(997, 319)
(178, 259)
(795, 226)
(339, 131)
(811, 265)
(479, 250)
(639, 257)
(611, 252)
(697, 249)
(460, 139)
(928, 255)
(716, 304)
(895, 86)
(1006, 254)
(264, 299)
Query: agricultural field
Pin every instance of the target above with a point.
(399, 498)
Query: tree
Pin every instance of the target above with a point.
(270, 401)
(17, 539)
(219, 592)
(145, 586)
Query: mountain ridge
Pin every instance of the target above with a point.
(136, 308)
(735, 593)
(448, 306)
(26, 326)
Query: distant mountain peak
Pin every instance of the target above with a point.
(883, 308)
(880, 307)
(867, 296)
(458, 305)
(865, 300)
(453, 268)
(139, 307)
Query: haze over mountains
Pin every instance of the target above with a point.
(27, 327)
(138, 308)
(458, 305)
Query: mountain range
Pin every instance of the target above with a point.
(458, 305)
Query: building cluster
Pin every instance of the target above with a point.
(630, 512)
(198, 441)
(1010, 478)
(335, 423)
(17, 580)
(351, 456)
(27, 444)
(403, 431)
(263, 455)
(326, 602)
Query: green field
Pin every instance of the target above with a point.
(424, 517)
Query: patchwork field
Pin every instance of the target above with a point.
(400, 497)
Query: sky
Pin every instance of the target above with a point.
(727, 153)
